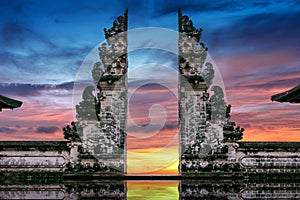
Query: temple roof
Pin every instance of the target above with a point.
(6, 102)
(292, 95)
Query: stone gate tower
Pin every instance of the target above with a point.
(201, 117)
(103, 112)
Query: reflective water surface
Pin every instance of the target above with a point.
(152, 190)
(120, 189)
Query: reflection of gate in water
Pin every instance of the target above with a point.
(191, 189)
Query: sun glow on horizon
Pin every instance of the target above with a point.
(153, 161)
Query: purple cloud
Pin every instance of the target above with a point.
(46, 129)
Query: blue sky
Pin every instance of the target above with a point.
(44, 42)
(255, 44)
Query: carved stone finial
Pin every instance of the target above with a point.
(186, 26)
(113, 52)
(192, 52)
(119, 25)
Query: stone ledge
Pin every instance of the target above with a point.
(21, 145)
(269, 145)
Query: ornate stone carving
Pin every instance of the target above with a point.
(97, 72)
(218, 106)
(119, 25)
(192, 53)
(89, 108)
(208, 74)
(202, 119)
(71, 133)
(102, 112)
(231, 133)
(186, 25)
(113, 52)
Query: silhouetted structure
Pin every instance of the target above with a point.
(291, 96)
(8, 103)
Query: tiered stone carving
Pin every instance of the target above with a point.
(202, 118)
(101, 114)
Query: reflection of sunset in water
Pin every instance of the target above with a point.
(152, 190)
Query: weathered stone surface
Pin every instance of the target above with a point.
(202, 117)
(268, 157)
(69, 190)
(238, 190)
(34, 156)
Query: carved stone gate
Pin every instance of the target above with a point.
(208, 144)
(207, 139)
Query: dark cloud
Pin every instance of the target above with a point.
(21, 89)
(15, 6)
(170, 126)
(26, 58)
(262, 32)
(169, 6)
(46, 129)
(31, 49)
(7, 130)
(65, 86)
(280, 83)
(151, 128)
(270, 79)
(14, 33)
(156, 8)
(25, 90)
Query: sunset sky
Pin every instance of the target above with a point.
(255, 45)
